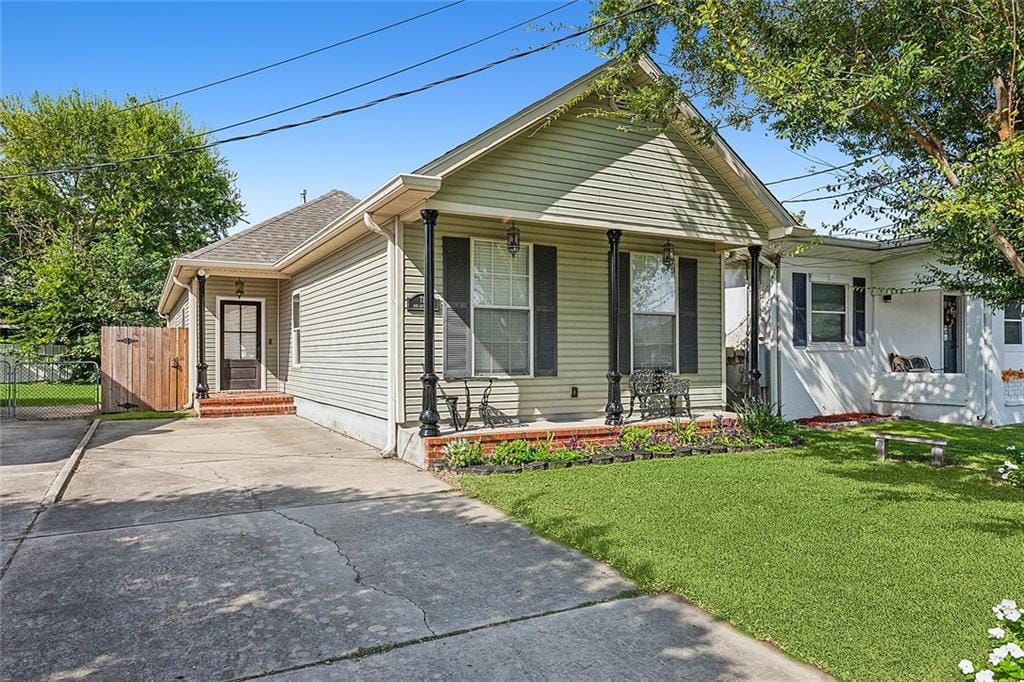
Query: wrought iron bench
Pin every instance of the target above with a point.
(490, 415)
(652, 388)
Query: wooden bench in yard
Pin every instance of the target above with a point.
(938, 445)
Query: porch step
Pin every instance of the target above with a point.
(246, 405)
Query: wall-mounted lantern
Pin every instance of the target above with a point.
(512, 239)
(239, 287)
(668, 254)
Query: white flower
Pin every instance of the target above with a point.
(985, 676)
(1011, 448)
(1015, 650)
(966, 667)
(997, 655)
(1008, 604)
(996, 633)
(1013, 615)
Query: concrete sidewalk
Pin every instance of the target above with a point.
(249, 548)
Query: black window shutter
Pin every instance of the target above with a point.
(545, 311)
(688, 347)
(859, 311)
(799, 308)
(457, 336)
(625, 315)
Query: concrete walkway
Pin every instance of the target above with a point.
(31, 455)
(269, 547)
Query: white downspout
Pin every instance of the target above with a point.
(777, 330)
(391, 444)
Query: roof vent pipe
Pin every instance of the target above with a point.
(302, 195)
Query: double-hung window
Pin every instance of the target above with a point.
(296, 331)
(1012, 332)
(828, 313)
(653, 293)
(501, 310)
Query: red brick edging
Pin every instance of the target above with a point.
(559, 435)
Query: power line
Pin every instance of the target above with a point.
(294, 58)
(424, 62)
(822, 171)
(338, 112)
(838, 195)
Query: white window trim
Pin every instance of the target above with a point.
(847, 285)
(675, 315)
(1019, 321)
(293, 360)
(526, 247)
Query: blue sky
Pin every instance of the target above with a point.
(156, 48)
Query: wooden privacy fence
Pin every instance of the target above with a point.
(144, 368)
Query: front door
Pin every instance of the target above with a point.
(241, 360)
(951, 334)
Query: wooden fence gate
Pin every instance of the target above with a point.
(144, 368)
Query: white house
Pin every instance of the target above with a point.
(841, 316)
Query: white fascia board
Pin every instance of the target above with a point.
(420, 186)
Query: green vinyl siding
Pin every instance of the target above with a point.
(179, 314)
(587, 168)
(582, 321)
(344, 330)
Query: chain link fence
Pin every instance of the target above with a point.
(49, 389)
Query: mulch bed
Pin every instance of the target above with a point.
(833, 421)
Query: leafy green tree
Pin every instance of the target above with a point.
(85, 249)
(924, 93)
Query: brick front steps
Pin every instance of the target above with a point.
(560, 435)
(246, 405)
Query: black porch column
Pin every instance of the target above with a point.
(755, 319)
(428, 416)
(202, 382)
(613, 410)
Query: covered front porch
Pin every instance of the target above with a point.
(925, 362)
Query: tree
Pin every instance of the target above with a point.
(85, 249)
(924, 94)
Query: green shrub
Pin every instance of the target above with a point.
(1012, 470)
(568, 455)
(636, 438)
(541, 452)
(761, 418)
(511, 453)
(661, 447)
(686, 434)
(463, 453)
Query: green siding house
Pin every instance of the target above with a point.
(326, 303)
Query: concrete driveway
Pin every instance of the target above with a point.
(31, 455)
(269, 547)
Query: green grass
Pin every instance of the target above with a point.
(43, 394)
(871, 570)
(131, 416)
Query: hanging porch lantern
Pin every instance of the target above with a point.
(668, 254)
(239, 287)
(512, 239)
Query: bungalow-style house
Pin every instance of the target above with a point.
(849, 325)
(562, 251)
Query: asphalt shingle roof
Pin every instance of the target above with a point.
(269, 241)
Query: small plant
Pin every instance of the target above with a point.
(636, 438)
(567, 454)
(761, 418)
(1006, 660)
(463, 453)
(686, 434)
(541, 452)
(1012, 470)
(661, 446)
(511, 453)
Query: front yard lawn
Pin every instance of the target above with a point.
(872, 570)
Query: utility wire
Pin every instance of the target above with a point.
(424, 62)
(294, 58)
(338, 112)
(822, 171)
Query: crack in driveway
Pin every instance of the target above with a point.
(355, 569)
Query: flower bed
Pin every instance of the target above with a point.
(842, 420)
(674, 439)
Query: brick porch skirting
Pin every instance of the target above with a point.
(560, 435)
